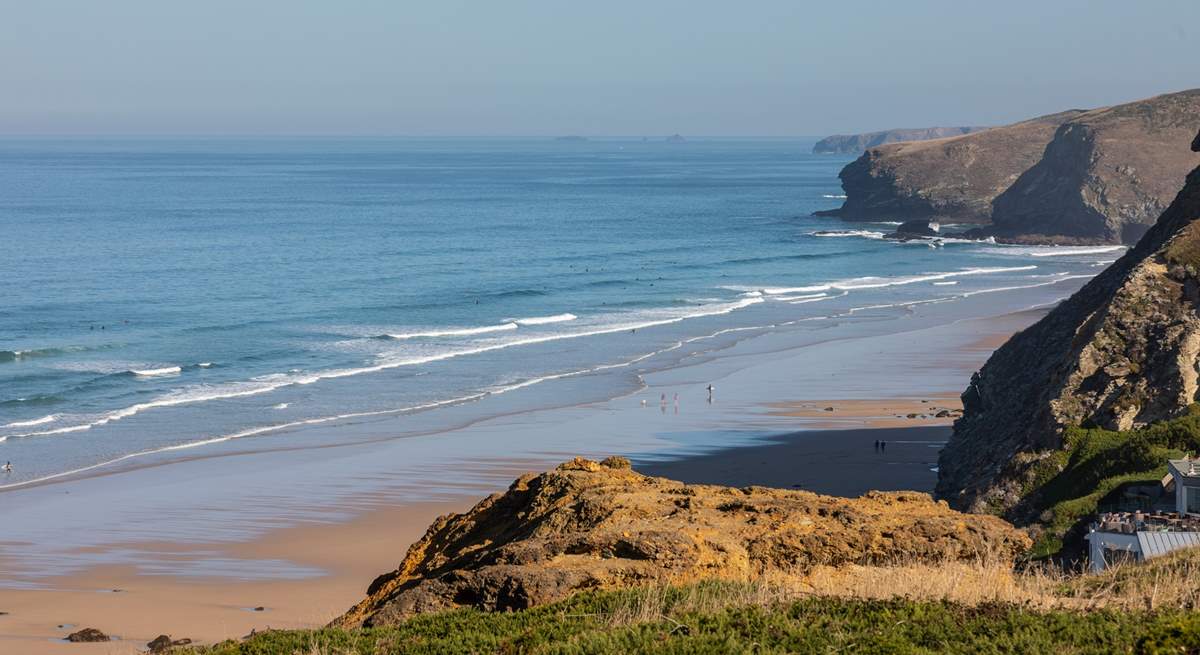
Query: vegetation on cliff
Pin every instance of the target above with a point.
(1068, 486)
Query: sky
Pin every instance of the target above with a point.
(541, 68)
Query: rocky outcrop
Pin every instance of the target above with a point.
(918, 229)
(596, 525)
(954, 178)
(1122, 352)
(87, 636)
(853, 144)
(1106, 175)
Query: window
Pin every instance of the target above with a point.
(1191, 500)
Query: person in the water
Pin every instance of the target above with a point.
(8, 467)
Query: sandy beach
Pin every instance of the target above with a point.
(169, 549)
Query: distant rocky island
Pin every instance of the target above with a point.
(853, 144)
(1099, 176)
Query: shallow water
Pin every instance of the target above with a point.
(167, 296)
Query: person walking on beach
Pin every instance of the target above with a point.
(710, 393)
(883, 446)
(876, 445)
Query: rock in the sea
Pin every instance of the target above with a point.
(916, 229)
(853, 144)
(87, 635)
(955, 178)
(593, 525)
(1106, 175)
(1122, 352)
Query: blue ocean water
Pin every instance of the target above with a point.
(165, 295)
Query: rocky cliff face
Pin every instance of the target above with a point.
(953, 178)
(1122, 352)
(853, 144)
(589, 525)
(1106, 175)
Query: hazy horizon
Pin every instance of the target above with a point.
(776, 69)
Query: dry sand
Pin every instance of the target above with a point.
(352, 554)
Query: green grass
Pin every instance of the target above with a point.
(1068, 486)
(588, 623)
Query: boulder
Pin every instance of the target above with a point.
(87, 635)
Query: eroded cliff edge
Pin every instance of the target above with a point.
(599, 525)
(953, 178)
(1122, 352)
(1098, 176)
(1106, 175)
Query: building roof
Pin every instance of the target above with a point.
(1188, 468)
(1154, 544)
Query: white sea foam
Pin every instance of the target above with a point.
(866, 234)
(945, 283)
(1056, 251)
(458, 332)
(544, 320)
(204, 364)
(326, 419)
(280, 406)
(152, 372)
(49, 418)
(881, 282)
(1063, 278)
(267, 383)
(835, 196)
(812, 296)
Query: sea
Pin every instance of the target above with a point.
(162, 297)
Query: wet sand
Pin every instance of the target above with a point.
(302, 536)
(837, 462)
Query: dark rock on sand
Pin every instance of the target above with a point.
(598, 525)
(1122, 352)
(953, 178)
(852, 144)
(1106, 175)
(87, 635)
(164, 643)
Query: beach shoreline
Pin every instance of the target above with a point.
(324, 558)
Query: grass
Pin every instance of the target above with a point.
(982, 607)
(672, 620)
(1068, 486)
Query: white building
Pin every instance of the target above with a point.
(1137, 536)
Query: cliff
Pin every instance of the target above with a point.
(1106, 175)
(954, 178)
(589, 525)
(853, 144)
(1122, 352)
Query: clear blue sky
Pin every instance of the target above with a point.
(515, 67)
